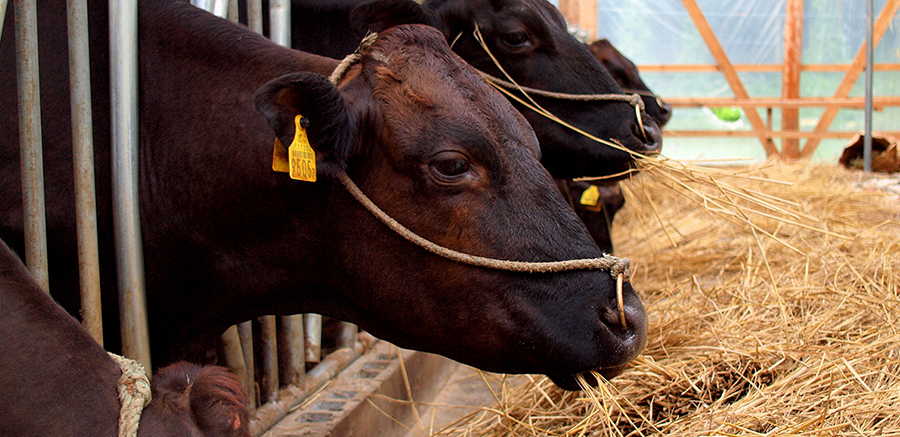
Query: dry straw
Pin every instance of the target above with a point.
(773, 293)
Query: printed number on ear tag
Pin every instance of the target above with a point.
(590, 197)
(301, 156)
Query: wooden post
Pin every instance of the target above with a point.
(570, 11)
(790, 76)
(587, 18)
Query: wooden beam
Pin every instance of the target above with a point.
(768, 102)
(754, 68)
(790, 76)
(728, 71)
(856, 67)
(750, 134)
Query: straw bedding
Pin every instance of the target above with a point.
(770, 314)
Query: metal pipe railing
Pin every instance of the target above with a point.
(123, 52)
(870, 42)
(30, 144)
(83, 162)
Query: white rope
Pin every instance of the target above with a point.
(134, 394)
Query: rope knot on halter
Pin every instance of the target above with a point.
(134, 394)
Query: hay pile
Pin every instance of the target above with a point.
(770, 322)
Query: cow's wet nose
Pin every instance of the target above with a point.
(665, 113)
(651, 136)
(623, 314)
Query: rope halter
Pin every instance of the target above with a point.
(619, 268)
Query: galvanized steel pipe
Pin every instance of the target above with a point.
(123, 52)
(870, 42)
(30, 148)
(83, 161)
(254, 16)
(280, 22)
(269, 347)
(312, 327)
(293, 360)
(3, 4)
(245, 331)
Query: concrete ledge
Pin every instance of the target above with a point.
(347, 405)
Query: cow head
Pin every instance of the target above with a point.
(530, 41)
(444, 154)
(626, 75)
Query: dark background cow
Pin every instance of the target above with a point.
(599, 218)
(57, 381)
(226, 239)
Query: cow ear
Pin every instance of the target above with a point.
(311, 95)
(219, 403)
(378, 15)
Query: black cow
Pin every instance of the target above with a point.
(530, 40)
(599, 217)
(627, 76)
(226, 239)
(57, 381)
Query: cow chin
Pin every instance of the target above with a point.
(570, 382)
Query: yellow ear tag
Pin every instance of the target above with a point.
(590, 196)
(280, 157)
(302, 157)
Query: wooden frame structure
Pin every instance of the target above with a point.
(583, 13)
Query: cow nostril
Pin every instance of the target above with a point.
(615, 316)
(651, 136)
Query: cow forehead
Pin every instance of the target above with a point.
(424, 89)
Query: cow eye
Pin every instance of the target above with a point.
(515, 40)
(449, 166)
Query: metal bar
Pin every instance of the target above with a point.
(715, 48)
(280, 22)
(348, 335)
(269, 347)
(870, 37)
(312, 324)
(233, 353)
(30, 143)
(293, 357)
(254, 16)
(245, 331)
(123, 51)
(3, 4)
(83, 162)
(233, 14)
(856, 67)
(790, 76)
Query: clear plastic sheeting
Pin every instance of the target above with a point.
(654, 32)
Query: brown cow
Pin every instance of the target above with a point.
(57, 381)
(227, 239)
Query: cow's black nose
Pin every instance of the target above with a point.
(652, 136)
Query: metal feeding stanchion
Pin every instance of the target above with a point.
(870, 39)
(123, 52)
(30, 148)
(83, 162)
